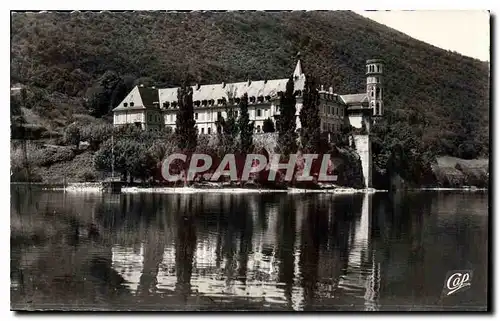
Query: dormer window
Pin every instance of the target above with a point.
(231, 101)
(174, 104)
(252, 99)
(237, 100)
(211, 102)
(268, 98)
(131, 104)
(197, 103)
(125, 104)
(260, 99)
(165, 104)
(204, 102)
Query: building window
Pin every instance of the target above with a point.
(125, 104)
(131, 104)
(203, 130)
(209, 130)
(258, 113)
(258, 128)
(219, 115)
(150, 118)
(196, 116)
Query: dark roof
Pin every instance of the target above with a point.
(149, 97)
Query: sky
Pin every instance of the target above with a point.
(466, 32)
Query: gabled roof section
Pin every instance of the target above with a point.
(354, 99)
(142, 97)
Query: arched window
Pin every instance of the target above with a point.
(258, 128)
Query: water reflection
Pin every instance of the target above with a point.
(265, 251)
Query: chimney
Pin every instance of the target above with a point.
(331, 90)
(223, 85)
(249, 82)
(141, 85)
(197, 86)
(322, 88)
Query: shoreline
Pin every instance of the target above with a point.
(97, 188)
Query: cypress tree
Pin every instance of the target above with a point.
(186, 134)
(287, 139)
(227, 129)
(245, 126)
(268, 126)
(310, 134)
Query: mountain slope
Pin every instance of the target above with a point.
(443, 94)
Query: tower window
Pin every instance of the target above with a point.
(196, 116)
(125, 104)
(132, 104)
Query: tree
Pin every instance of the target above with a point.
(72, 135)
(310, 134)
(131, 158)
(287, 139)
(185, 124)
(245, 126)
(228, 131)
(268, 126)
(99, 97)
(96, 134)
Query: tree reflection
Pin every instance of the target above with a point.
(286, 245)
(185, 246)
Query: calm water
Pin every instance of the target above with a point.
(249, 251)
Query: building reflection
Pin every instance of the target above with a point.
(301, 252)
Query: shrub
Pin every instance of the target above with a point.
(72, 135)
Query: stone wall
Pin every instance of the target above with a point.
(362, 145)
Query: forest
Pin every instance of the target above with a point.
(79, 65)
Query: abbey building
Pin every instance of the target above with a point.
(156, 108)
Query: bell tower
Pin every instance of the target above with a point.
(374, 86)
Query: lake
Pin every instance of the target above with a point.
(277, 251)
